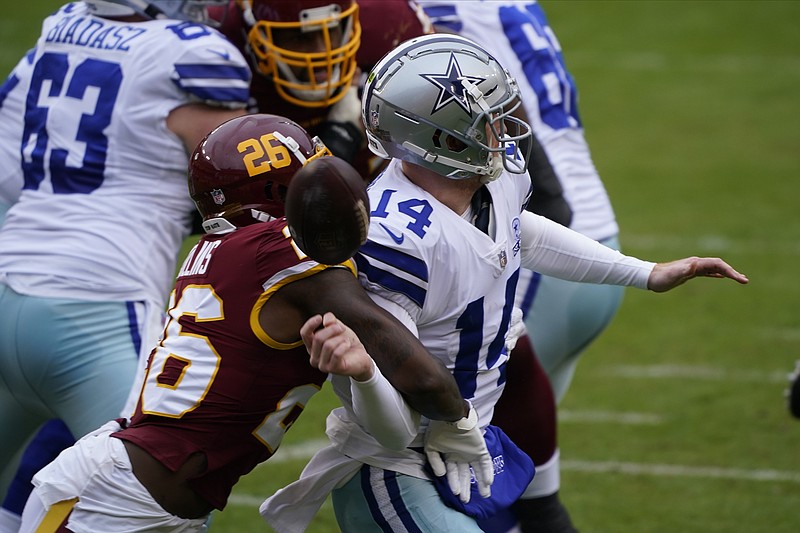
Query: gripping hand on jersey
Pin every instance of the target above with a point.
(452, 447)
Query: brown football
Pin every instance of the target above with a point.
(327, 210)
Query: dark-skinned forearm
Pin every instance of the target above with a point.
(427, 385)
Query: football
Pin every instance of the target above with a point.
(327, 210)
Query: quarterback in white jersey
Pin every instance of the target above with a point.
(115, 98)
(448, 236)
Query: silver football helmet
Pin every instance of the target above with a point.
(190, 10)
(443, 102)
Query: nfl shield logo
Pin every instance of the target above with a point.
(503, 258)
(218, 196)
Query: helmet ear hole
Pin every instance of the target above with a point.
(275, 191)
(437, 138)
(282, 192)
(454, 144)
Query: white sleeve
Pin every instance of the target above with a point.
(380, 408)
(383, 412)
(554, 250)
(396, 310)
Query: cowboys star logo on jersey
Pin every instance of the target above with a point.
(451, 88)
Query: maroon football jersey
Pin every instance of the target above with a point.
(216, 382)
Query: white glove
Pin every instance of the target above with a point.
(453, 447)
(516, 329)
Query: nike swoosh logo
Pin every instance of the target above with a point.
(223, 54)
(396, 238)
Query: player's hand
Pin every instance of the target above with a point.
(335, 349)
(516, 329)
(667, 276)
(452, 447)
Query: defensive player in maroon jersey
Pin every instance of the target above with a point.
(307, 56)
(230, 373)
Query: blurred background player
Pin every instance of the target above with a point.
(562, 317)
(102, 115)
(230, 373)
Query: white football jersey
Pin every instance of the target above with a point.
(12, 112)
(104, 204)
(455, 281)
(518, 35)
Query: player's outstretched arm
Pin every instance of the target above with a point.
(667, 276)
(552, 249)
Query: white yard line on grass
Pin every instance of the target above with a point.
(707, 373)
(656, 62)
(306, 449)
(713, 243)
(610, 417)
(631, 469)
(660, 470)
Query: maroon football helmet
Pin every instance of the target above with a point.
(240, 171)
(307, 47)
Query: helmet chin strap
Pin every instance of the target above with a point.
(261, 216)
(496, 166)
(218, 226)
(489, 172)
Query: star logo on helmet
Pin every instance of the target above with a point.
(451, 88)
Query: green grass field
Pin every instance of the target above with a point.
(676, 420)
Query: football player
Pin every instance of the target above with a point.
(96, 124)
(308, 57)
(447, 239)
(230, 373)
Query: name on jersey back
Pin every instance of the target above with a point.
(93, 33)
